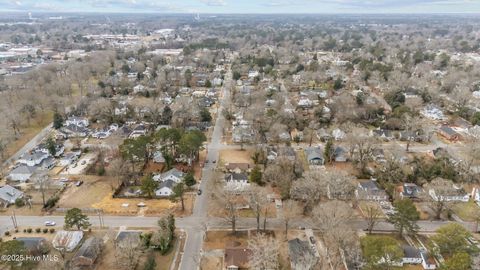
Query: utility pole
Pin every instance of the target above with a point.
(14, 220)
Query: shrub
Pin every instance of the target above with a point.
(45, 230)
(24, 230)
(37, 230)
(51, 202)
(19, 202)
(52, 230)
(16, 230)
(7, 233)
(29, 230)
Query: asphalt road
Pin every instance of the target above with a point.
(195, 234)
(30, 145)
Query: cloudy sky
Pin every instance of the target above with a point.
(246, 6)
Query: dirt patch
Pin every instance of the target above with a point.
(128, 206)
(90, 192)
(218, 239)
(236, 156)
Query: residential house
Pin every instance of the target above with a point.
(158, 157)
(410, 191)
(33, 158)
(77, 121)
(302, 256)
(59, 149)
(287, 152)
(69, 157)
(452, 194)
(340, 154)
(305, 103)
(411, 255)
(138, 131)
(165, 188)
(236, 257)
(9, 194)
(35, 246)
(48, 163)
(167, 181)
(314, 155)
(384, 134)
(323, 135)
(21, 173)
(237, 167)
(449, 133)
(242, 134)
(87, 253)
(338, 134)
(236, 181)
(128, 238)
(67, 240)
(139, 89)
(173, 174)
(370, 191)
(75, 131)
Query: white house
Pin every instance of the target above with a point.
(21, 173)
(138, 89)
(173, 175)
(9, 194)
(236, 181)
(33, 158)
(165, 188)
(455, 194)
(77, 121)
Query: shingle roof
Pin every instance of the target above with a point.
(10, 194)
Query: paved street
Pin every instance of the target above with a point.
(30, 145)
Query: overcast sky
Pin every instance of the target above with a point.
(245, 6)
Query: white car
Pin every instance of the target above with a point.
(50, 223)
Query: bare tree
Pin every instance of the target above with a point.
(441, 188)
(372, 216)
(128, 251)
(290, 211)
(339, 185)
(229, 204)
(361, 146)
(308, 189)
(413, 127)
(265, 252)
(258, 201)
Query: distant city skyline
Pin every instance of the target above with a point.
(244, 6)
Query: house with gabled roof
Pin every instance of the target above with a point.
(302, 256)
(21, 173)
(9, 194)
(314, 155)
(370, 191)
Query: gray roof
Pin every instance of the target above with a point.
(175, 172)
(32, 243)
(299, 249)
(236, 177)
(369, 185)
(10, 194)
(169, 184)
(410, 252)
(23, 169)
(90, 249)
(314, 153)
(448, 130)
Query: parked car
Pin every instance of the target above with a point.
(78, 183)
(312, 240)
(84, 162)
(50, 223)
(199, 192)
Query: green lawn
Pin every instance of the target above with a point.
(467, 211)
